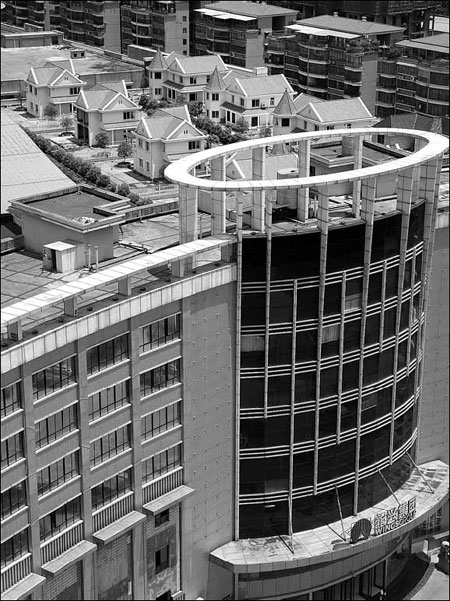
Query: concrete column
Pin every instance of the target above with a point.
(124, 286)
(357, 158)
(258, 196)
(218, 199)
(15, 331)
(188, 209)
(138, 561)
(70, 306)
(304, 161)
(405, 190)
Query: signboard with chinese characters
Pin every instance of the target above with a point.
(394, 518)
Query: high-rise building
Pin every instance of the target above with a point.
(232, 416)
(93, 22)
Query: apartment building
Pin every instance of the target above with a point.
(230, 416)
(331, 57)
(413, 77)
(93, 22)
(236, 31)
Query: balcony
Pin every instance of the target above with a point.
(163, 485)
(61, 542)
(16, 571)
(107, 515)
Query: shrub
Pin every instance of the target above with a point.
(58, 154)
(84, 168)
(124, 150)
(102, 139)
(134, 198)
(50, 111)
(66, 122)
(123, 189)
(111, 187)
(67, 159)
(102, 181)
(44, 144)
(93, 174)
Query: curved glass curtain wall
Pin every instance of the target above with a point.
(294, 299)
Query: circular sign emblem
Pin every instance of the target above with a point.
(361, 530)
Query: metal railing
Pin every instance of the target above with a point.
(16, 571)
(163, 485)
(61, 542)
(112, 512)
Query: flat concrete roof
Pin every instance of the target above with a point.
(435, 43)
(71, 206)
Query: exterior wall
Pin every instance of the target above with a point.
(111, 16)
(154, 156)
(369, 81)
(434, 409)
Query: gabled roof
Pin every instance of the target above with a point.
(216, 81)
(116, 86)
(357, 26)
(286, 105)
(195, 65)
(414, 121)
(50, 74)
(176, 111)
(163, 126)
(339, 111)
(303, 100)
(158, 63)
(264, 85)
(64, 63)
(102, 100)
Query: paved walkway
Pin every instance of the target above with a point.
(435, 589)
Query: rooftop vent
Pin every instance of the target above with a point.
(363, 18)
(335, 14)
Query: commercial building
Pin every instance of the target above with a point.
(413, 77)
(17, 37)
(235, 415)
(236, 31)
(331, 57)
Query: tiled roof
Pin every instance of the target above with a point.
(216, 81)
(286, 105)
(45, 75)
(303, 100)
(349, 25)
(158, 62)
(192, 65)
(175, 111)
(336, 111)
(37, 174)
(97, 99)
(250, 9)
(116, 86)
(414, 121)
(265, 84)
(64, 63)
(161, 126)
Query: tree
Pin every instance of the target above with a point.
(265, 131)
(50, 111)
(123, 190)
(124, 150)
(66, 122)
(21, 95)
(102, 139)
(93, 174)
(195, 109)
(241, 125)
(103, 181)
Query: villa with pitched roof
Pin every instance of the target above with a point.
(53, 84)
(164, 137)
(106, 108)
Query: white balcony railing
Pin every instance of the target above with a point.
(16, 571)
(61, 542)
(163, 485)
(112, 512)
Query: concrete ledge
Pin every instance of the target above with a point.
(169, 499)
(69, 557)
(114, 530)
(24, 587)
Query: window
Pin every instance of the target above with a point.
(55, 474)
(272, 101)
(108, 353)
(110, 399)
(147, 166)
(15, 547)
(14, 499)
(147, 146)
(11, 399)
(161, 420)
(353, 294)
(157, 75)
(285, 122)
(192, 80)
(74, 91)
(161, 463)
(128, 115)
(184, 18)
(60, 519)
(161, 377)
(12, 449)
(215, 114)
(330, 340)
(139, 142)
(110, 445)
(162, 518)
(194, 145)
(348, 125)
(35, 92)
(53, 378)
(55, 426)
(242, 102)
(255, 103)
(141, 163)
(184, 41)
(316, 128)
(159, 333)
(162, 559)
(184, 30)
(158, 91)
(111, 489)
(254, 122)
(214, 96)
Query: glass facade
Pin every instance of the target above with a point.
(315, 375)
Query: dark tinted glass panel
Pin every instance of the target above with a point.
(330, 340)
(348, 415)
(252, 351)
(392, 282)
(306, 346)
(405, 389)
(253, 309)
(295, 256)
(328, 382)
(307, 303)
(350, 376)
(280, 349)
(263, 520)
(264, 475)
(386, 238)
(303, 469)
(413, 347)
(332, 299)
(372, 335)
(270, 432)
(370, 369)
(416, 221)
(252, 392)
(317, 511)
(402, 355)
(403, 428)
(353, 294)
(389, 323)
(416, 307)
(304, 424)
(281, 307)
(345, 248)
(375, 283)
(279, 390)
(404, 316)
(374, 446)
(352, 335)
(418, 268)
(254, 259)
(305, 387)
(384, 401)
(407, 276)
(336, 461)
(328, 421)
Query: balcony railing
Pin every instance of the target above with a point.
(112, 512)
(60, 543)
(16, 571)
(163, 485)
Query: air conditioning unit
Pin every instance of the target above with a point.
(263, 106)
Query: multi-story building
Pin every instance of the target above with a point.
(331, 57)
(159, 24)
(413, 77)
(236, 31)
(19, 13)
(228, 416)
(416, 17)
